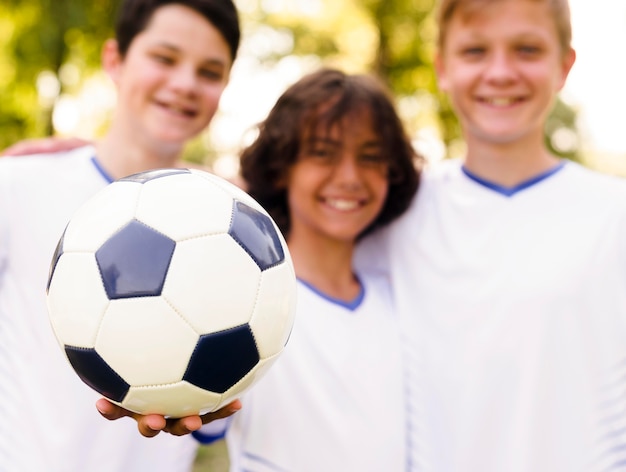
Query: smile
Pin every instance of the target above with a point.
(342, 204)
(177, 110)
(501, 101)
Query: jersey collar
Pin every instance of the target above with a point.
(510, 191)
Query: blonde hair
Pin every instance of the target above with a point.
(559, 9)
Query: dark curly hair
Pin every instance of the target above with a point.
(265, 163)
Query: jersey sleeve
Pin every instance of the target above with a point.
(5, 203)
(212, 432)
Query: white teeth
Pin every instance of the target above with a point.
(343, 205)
(178, 109)
(500, 102)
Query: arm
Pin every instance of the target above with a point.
(43, 145)
(151, 425)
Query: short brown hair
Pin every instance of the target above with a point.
(559, 8)
(266, 162)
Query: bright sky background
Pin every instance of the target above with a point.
(597, 83)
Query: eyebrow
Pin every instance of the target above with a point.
(173, 48)
(336, 142)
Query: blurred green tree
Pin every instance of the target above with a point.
(46, 48)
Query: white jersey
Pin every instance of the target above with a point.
(515, 306)
(49, 420)
(334, 401)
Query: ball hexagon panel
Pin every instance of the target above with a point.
(274, 312)
(101, 216)
(212, 282)
(145, 341)
(235, 192)
(221, 359)
(255, 232)
(134, 261)
(76, 309)
(95, 372)
(166, 205)
(176, 400)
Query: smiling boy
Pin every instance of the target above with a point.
(509, 269)
(170, 63)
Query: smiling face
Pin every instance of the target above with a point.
(502, 67)
(172, 77)
(338, 184)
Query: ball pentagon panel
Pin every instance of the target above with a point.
(148, 175)
(134, 261)
(222, 358)
(95, 372)
(256, 234)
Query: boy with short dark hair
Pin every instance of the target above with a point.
(170, 64)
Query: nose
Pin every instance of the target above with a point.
(501, 67)
(346, 170)
(184, 79)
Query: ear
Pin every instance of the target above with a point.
(112, 59)
(440, 69)
(567, 62)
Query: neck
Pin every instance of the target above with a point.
(508, 164)
(121, 155)
(325, 264)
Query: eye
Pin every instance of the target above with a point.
(372, 158)
(163, 59)
(211, 74)
(473, 51)
(319, 153)
(528, 50)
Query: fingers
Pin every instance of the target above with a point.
(188, 424)
(148, 425)
(223, 412)
(111, 411)
(182, 426)
(151, 425)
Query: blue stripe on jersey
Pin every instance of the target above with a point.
(510, 191)
(204, 438)
(100, 169)
(351, 305)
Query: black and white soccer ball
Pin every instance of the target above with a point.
(171, 291)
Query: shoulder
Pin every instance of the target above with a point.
(604, 189)
(443, 170)
(43, 163)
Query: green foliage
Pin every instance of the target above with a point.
(392, 38)
(46, 35)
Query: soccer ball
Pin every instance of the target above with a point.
(171, 292)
